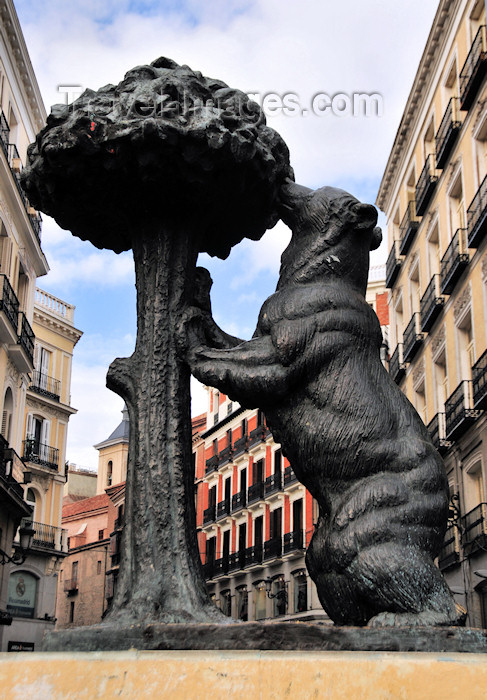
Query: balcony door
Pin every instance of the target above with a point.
(298, 515)
(41, 363)
(258, 525)
(276, 524)
(38, 431)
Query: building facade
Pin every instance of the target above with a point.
(434, 194)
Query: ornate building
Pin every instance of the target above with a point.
(434, 194)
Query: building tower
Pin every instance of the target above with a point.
(434, 194)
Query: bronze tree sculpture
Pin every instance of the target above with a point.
(351, 435)
(168, 163)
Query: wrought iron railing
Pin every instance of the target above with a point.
(255, 492)
(437, 431)
(454, 261)
(393, 264)
(447, 132)
(273, 548)
(397, 365)
(413, 337)
(239, 500)
(253, 555)
(9, 303)
(473, 69)
(293, 541)
(431, 303)
(26, 337)
(209, 515)
(479, 382)
(289, 476)
(223, 508)
(257, 435)
(426, 185)
(474, 524)
(4, 133)
(273, 483)
(408, 227)
(212, 464)
(38, 453)
(46, 386)
(11, 468)
(240, 446)
(459, 410)
(70, 584)
(477, 216)
(226, 455)
(450, 551)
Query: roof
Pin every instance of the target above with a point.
(198, 424)
(87, 505)
(120, 434)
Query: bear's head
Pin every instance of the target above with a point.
(333, 234)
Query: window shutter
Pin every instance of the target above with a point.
(29, 427)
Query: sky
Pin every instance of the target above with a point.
(312, 53)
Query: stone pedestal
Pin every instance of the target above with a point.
(241, 675)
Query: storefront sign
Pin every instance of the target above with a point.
(22, 588)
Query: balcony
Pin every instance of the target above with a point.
(459, 411)
(223, 509)
(477, 216)
(236, 561)
(4, 134)
(212, 464)
(273, 548)
(209, 515)
(253, 555)
(239, 501)
(426, 185)
(293, 541)
(397, 366)
(413, 338)
(45, 386)
(431, 304)
(454, 262)
(450, 552)
(226, 455)
(70, 585)
(479, 382)
(474, 525)
(255, 492)
(408, 227)
(15, 165)
(11, 469)
(437, 431)
(447, 133)
(240, 447)
(220, 566)
(9, 312)
(289, 476)
(47, 536)
(38, 453)
(393, 265)
(258, 435)
(473, 70)
(273, 483)
(22, 353)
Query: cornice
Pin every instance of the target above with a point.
(57, 325)
(438, 34)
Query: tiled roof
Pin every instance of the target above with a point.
(87, 505)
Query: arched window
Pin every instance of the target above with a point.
(300, 591)
(260, 600)
(8, 409)
(109, 473)
(30, 499)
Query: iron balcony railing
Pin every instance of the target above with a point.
(9, 303)
(479, 382)
(38, 453)
(240, 446)
(236, 560)
(473, 69)
(239, 500)
(255, 492)
(459, 411)
(223, 508)
(477, 216)
(257, 435)
(426, 185)
(26, 337)
(437, 431)
(46, 386)
(212, 464)
(393, 264)
(70, 585)
(454, 261)
(46, 536)
(450, 551)
(253, 555)
(397, 365)
(16, 168)
(408, 227)
(293, 541)
(447, 132)
(431, 304)
(289, 476)
(11, 468)
(474, 524)
(209, 515)
(4, 133)
(226, 455)
(220, 566)
(413, 337)
(273, 548)
(273, 483)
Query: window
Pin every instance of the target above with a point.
(456, 206)
(242, 603)
(98, 566)
(440, 378)
(474, 491)
(260, 600)
(37, 434)
(277, 461)
(8, 409)
(101, 534)
(71, 611)
(300, 591)
(398, 319)
(30, 498)
(226, 602)
(109, 473)
(42, 362)
(280, 593)
(74, 571)
(5, 250)
(433, 252)
(429, 139)
(465, 346)
(480, 151)
(414, 290)
(419, 397)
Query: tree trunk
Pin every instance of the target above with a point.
(161, 577)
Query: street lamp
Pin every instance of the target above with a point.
(278, 594)
(26, 533)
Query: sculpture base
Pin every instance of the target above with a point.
(281, 636)
(241, 675)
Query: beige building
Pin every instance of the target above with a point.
(434, 194)
(113, 456)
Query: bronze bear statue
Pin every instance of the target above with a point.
(353, 438)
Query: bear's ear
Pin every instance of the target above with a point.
(366, 216)
(376, 239)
